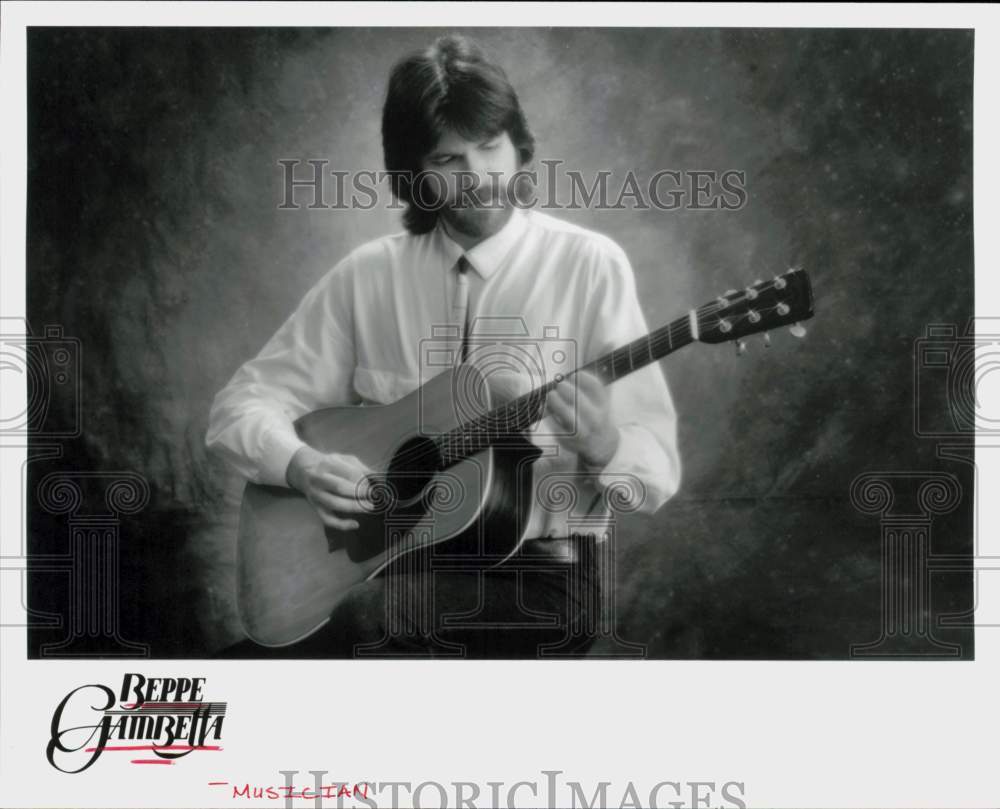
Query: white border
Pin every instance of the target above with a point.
(799, 734)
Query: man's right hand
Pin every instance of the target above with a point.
(332, 483)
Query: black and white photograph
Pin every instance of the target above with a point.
(712, 288)
(608, 349)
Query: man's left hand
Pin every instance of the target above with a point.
(591, 432)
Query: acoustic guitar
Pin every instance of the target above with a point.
(453, 470)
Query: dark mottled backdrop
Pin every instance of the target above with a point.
(154, 237)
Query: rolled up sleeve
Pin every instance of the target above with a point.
(307, 364)
(647, 460)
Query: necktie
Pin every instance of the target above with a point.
(460, 305)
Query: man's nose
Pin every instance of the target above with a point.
(479, 180)
(472, 182)
(478, 164)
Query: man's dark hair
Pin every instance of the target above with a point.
(451, 85)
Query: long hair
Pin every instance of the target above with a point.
(451, 85)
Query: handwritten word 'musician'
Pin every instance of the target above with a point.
(359, 790)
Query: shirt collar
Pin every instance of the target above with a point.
(486, 256)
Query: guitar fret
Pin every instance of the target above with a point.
(519, 414)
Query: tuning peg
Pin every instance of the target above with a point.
(796, 330)
(741, 348)
(767, 339)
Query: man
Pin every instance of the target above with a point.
(455, 139)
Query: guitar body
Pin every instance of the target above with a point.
(435, 493)
(292, 570)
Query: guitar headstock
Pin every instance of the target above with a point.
(785, 299)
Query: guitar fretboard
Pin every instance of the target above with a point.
(506, 421)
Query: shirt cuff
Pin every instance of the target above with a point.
(619, 470)
(278, 447)
(614, 462)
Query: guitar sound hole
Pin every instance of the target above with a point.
(411, 469)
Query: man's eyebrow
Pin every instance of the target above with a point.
(443, 152)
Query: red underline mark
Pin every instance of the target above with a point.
(217, 783)
(154, 747)
(150, 761)
(156, 704)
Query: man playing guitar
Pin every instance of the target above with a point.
(455, 139)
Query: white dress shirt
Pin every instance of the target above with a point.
(545, 297)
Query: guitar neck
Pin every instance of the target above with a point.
(784, 300)
(517, 415)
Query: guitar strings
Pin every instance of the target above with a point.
(445, 446)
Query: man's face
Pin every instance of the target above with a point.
(475, 176)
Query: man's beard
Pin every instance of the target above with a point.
(479, 217)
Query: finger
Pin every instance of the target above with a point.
(572, 393)
(589, 411)
(590, 385)
(555, 403)
(348, 466)
(567, 391)
(355, 490)
(335, 503)
(561, 412)
(591, 396)
(566, 388)
(341, 524)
